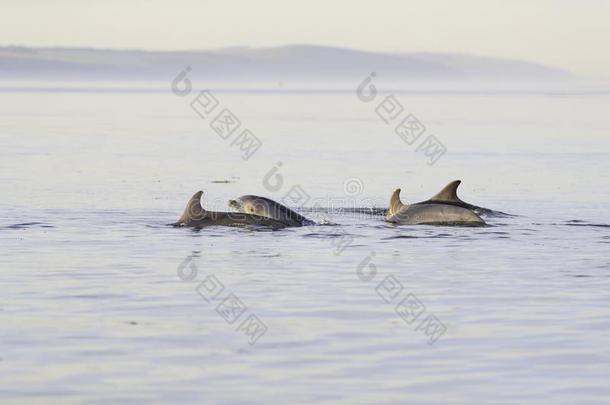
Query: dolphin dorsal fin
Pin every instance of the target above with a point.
(395, 203)
(449, 193)
(193, 209)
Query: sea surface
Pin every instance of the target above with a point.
(103, 302)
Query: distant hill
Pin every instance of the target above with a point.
(282, 64)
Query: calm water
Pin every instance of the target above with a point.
(97, 305)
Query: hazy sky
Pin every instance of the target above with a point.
(573, 34)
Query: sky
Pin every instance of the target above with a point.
(569, 34)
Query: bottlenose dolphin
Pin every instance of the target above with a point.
(197, 217)
(448, 195)
(430, 213)
(265, 207)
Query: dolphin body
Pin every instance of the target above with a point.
(445, 208)
(448, 195)
(265, 207)
(196, 216)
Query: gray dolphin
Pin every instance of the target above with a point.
(197, 217)
(265, 207)
(448, 195)
(430, 212)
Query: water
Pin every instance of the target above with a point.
(94, 310)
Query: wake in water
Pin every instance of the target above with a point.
(382, 212)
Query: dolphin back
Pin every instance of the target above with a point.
(195, 216)
(436, 214)
(266, 207)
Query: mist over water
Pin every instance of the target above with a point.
(94, 307)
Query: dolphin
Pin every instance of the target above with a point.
(265, 207)
(196, 216)
(430, 212)
(448, 195)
